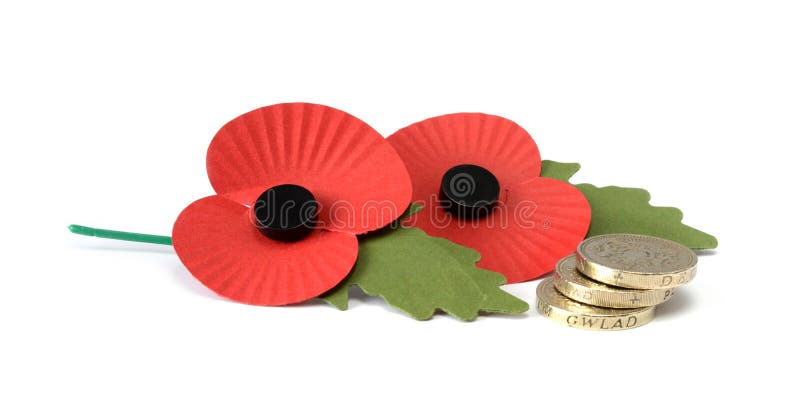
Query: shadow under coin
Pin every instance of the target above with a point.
(673, 308)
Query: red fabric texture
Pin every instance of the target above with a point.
(347, 165)
(232, 258)
(356, 176)
(537, 221)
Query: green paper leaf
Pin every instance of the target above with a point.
(418, 274)
(560, 171)
(627, 210)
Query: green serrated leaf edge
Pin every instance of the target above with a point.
(618, 209)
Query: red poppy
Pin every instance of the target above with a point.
(478, 176)
(295, 184)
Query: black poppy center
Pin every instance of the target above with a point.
(469, 191)
(286, 212)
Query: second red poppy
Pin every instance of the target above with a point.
(478, 178)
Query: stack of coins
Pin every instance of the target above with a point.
(614, 282)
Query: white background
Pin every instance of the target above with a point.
(106, 112)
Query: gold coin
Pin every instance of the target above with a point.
(561, 309)
(636, 261)
(576, 286)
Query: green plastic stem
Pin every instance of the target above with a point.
(118, 235)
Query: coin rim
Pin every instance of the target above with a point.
(637, 279)
(560, 315)
(606, 295)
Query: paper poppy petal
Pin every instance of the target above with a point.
(430, 147)
(215, 240)
(354, 173)
(536, 224)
